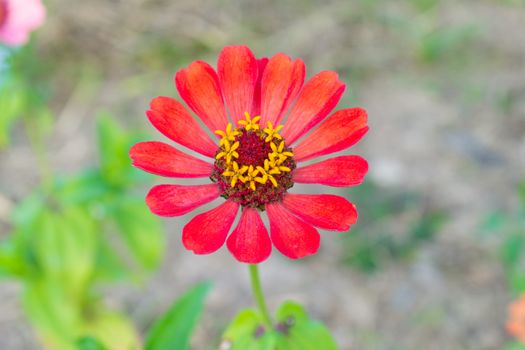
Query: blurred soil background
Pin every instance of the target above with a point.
(444, 85)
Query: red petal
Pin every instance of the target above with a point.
(281, 83)
(199, 87)
(161, 159)
(298, 75)
(175, 200)
(338, 172)
(249, 242)
(319, 96)
(206, 232)
(256, 108)
(325, 211)
(339, 131)
(290, 235)
(237, 68)
(172, 119)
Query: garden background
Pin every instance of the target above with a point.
(431, 263)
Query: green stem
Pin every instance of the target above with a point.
(259, 295)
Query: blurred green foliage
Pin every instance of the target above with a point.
(445, 43)
(77, 232)
(514, 346)
(83, 229)
(392, 225)
(11, 105)
(89, 343)
(294, 330)
(513, 2)
(174, 329)
(23, 95)
(436, 42)
(509, 228)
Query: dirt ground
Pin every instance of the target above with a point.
(447, 122)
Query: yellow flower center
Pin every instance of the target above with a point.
(253, 159)
(273, 164)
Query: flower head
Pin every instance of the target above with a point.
(18, 18)
(516, 319)
(266, 122)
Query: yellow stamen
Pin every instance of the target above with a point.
(273, 146)
(249, 123)
(228, 135)
(264, 178)
(265, 175)
(272, 133)
(273, 181)
(250, 177)
(261, 180)
(235, 172)
(229, 151)
(281, 147)
(270, 169)
(278, 154)
(248, 174)
(277, 158)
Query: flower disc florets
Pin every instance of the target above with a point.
(253, 166)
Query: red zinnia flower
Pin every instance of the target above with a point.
(254, 160)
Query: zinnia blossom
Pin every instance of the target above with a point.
(516, 319)
(18, 18)
(266, 123)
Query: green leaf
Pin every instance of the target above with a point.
(142, 232)
(27, 211)
(514, 346)
(10, 263)
(521, 192)
(512, 248)
(443, 42)
(424, 5)
(80, 242)
(427, 226)
(516, 279)
(109, 266)
(246, 332)
(65, 248)
(299, 332)
(174, 329)
(112, 330)
(12, 100)
(43, 120)
(26, 219)
(52, 312)
(294, 330)
(493, 223)
(89, 343)
(113, 145)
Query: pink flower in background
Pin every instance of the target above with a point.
(18, 18)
